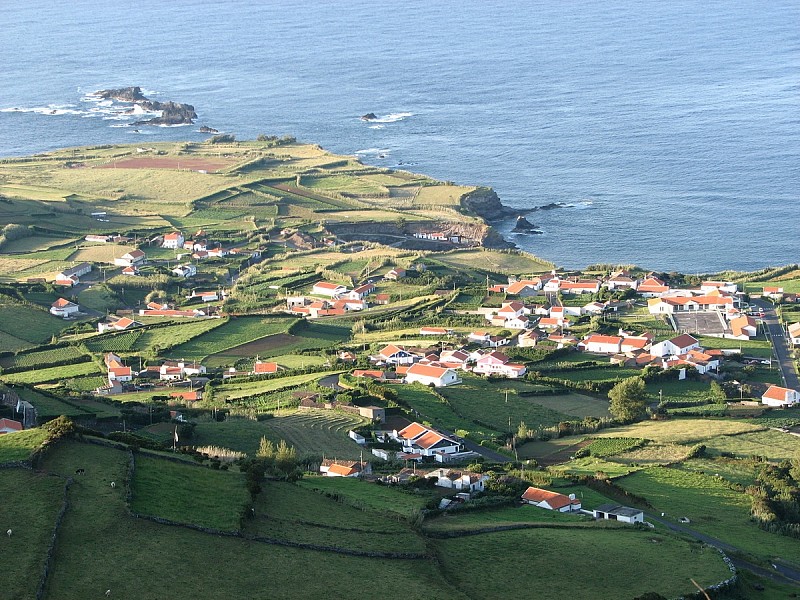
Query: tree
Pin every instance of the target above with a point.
(628, 399)
(717, 394)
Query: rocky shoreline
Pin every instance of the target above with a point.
(172, 113)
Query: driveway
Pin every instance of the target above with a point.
(780, 345)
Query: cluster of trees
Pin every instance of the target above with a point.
(775, 498)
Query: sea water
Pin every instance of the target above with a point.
(669, 130)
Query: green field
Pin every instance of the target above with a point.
(41, 358)
(309, 431)
(28, 323)
(31, 503)
(188, 494)
(368, 496)
(494, 261)
(48, 407)
(52, 373)
(773, 445)
(291, 512)
(234, 391)
(711, 506)
(156, 339)
(236, 332)
(534, 559)
(19, 445)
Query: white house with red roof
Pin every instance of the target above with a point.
(621, 281)
(676, 346)
(361, 292)
(726, 287)
(395, 274)
(780, 396)
(440, 331)
(431, 374)
(497, 363)
(694, 358)
(64, 308)
(265, 368)
(773, 291)
(132, 258)
(581, 286)
(524, 287)
(549, 323)
(117, 371)
(121, 324)
(9, 426)
(461, 481)
(551, 500)
(418, 439)
(327, 288)
(173, 240)
(71, 276)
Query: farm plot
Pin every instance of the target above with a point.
(13, 344)
(35, 243)
(188, 493)
(48, 407)
(102, 253)
(495, 262)
(31, 516)
(290, 512)
(124, 341)
(616, 576)
(680, 392)
(712, 506)
(774, 445)
(681, 431)
(494, 404)
(234, 390)
(52, 374)
(159, 338)
(237, 331)
(310, 432)
(32, 360)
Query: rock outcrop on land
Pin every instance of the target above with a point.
(485, 203)
(172, 113)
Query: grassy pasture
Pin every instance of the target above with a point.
(174, 335)
(35, 243)
(774, 445)
(123, 341)
(441, 195)
(19, 445)
(711, 505)
(102, 253)
(310, 432)
(29, 324)
(52, 374)
(680, 391)
(680, 431)
(12, 343)
(233, 390)
(368, 496)
(47, 407)
(291, 512)
(188, 494)
(525, 560)
(31, 516)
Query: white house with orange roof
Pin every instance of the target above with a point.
(265, 368)
(727, 287)
(64, 308)
(465, 481)
(430, 374)
(344, 468)
(773, 291)
(395, 274)
(497, 363)
(440, 331)
(652, 287)
(360, 292)
(418, 439)
(117, 371)
(581, 286)
(173, 240)
(479, 337)
(327, 288)
(524, 287)
(551, 500)
(601, 344)
(549, 323)
(121, 324)
(780, 396)
(621, 281)
(694, 358)
(743, 328)
(396, 355)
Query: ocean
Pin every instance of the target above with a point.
(670, 131)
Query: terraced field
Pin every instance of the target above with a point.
(31, 360)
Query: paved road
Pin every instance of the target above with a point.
(780, 344)
(782, 572)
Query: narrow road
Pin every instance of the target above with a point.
(780, 344)
(782, 573)
(486, 453)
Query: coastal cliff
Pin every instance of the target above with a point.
(423, 234)
(485, 203)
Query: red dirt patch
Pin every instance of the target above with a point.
(209, 165)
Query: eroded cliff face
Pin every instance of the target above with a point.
(407, 234)
(485, 203)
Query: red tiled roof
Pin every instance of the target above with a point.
(554, 499)
(426, 370)
(10, 424)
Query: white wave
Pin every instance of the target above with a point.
(392, 117)
(49, 110)
(373, 151)
(175, 125)
(117, 117)
(140, 132)
(138, 110)
(583, 205)
(377, 126)
(121, 125)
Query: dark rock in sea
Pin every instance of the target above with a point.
(369, 117)
(550, 206)
(207, 129)
(523, 225)
(172, 113)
